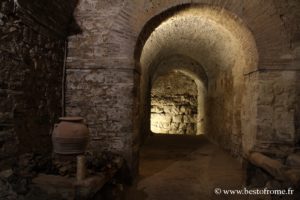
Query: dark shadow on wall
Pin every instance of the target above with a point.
(32, 53)
(56, 15)
(73, 27)
(297, 111)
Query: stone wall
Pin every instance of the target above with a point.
(104, 72)
(278, 113)
(221, 110)
(105, 76)
(100, 79)
(249, 114)
(174, 105)
(32, 49)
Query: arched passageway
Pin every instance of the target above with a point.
(248, 106)
(213, 46)
(214, 49)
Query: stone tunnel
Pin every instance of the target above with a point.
(158, 82)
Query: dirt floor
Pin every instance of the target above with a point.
(184, 168)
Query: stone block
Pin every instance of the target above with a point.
(183, 109)
(273, 167)
(189, 118)
(175, 110)
(266, 133)
(167, 109)
(174, 127)
(157, 109)
(165, 125)
(177, 118)
(163, 118)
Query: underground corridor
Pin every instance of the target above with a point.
(194, 105)
(149, 99)
(192, 93)
(189, 83)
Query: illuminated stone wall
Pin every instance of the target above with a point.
(174, 105)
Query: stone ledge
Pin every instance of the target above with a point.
(275, 168)
(69, 188)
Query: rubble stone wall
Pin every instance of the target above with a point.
(278, 113)
(174, 105)
(32, 49)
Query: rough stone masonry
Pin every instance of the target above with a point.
(105, 74)
(174, 104)
(32, 51)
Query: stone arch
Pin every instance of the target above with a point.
(183, 63)
(107, 47)
(241, 44)
(262, 19)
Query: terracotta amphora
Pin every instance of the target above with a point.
(70, 136)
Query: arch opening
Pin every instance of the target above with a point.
(222, 50)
